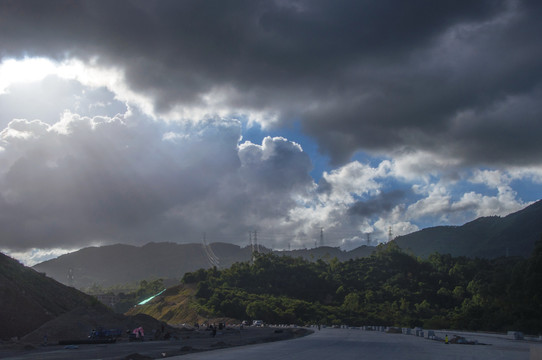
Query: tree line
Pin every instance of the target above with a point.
(390, 287)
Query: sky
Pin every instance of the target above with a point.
(148, 121)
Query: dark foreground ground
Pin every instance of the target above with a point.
(188, 342)
(357, 344)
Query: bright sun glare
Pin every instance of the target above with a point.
(91, 74)
(25, 70)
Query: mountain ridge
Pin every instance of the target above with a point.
(485, 237)
(123, 264)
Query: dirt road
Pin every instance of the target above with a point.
(189, 342)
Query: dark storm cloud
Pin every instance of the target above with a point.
(371, 75)
(324, 187)
(377, 205)
(116, 179)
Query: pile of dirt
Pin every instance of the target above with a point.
(137, 356)
(28, 299)
(38, 309)
(184, 341)
(78, 323)
(461, 340)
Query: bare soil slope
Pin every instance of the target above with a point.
(33, 306)
(29, 299)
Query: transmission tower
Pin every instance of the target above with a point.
(321, 236)
(256, 246)
(390, 234)
(71, 277)
(253, 239)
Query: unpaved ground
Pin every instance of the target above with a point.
(354, 343)
(187, 342)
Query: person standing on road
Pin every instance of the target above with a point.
(213, 330)
(446, 339)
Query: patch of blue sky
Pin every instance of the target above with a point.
(527, 190)
(393, 189)
(463, 187)
(368, 159)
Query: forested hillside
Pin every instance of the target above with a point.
(388, 288)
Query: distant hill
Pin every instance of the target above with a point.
(29, 299)
(485, 237)
(123, 264)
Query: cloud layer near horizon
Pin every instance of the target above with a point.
(101, 179)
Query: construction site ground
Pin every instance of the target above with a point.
(188, 341)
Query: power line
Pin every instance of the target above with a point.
(333, 237)
(211, 257)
